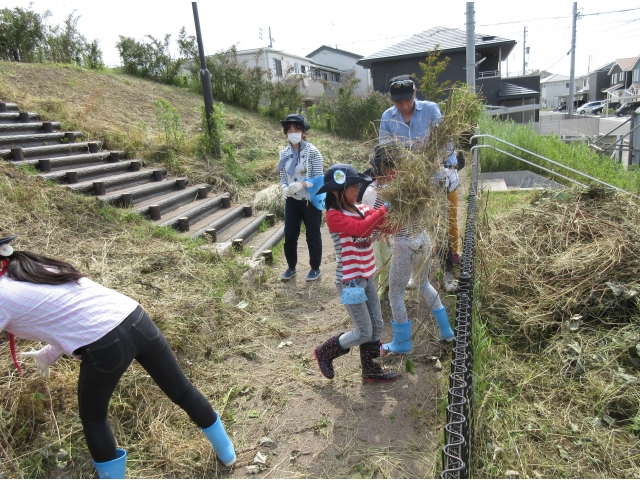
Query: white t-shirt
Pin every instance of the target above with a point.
(66, 317)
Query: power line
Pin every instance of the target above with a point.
(605, 13)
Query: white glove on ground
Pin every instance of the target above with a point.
(294, 188)
(41, 367)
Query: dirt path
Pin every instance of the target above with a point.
(342, 428)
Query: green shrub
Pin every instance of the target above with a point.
(170, 122)
(26, 37)
(210, 140)
(351, 115)
(283, 96)
(232, 80)
(153, 59)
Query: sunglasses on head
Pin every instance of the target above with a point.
(402, 83)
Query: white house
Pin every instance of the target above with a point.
(343, 61)
(554, 90)
(283, 65)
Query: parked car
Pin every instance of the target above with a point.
(627, 108)
(600, 109)
(588, 107)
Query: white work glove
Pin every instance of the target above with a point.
(41, 367)
(295, 188)
(285, 195)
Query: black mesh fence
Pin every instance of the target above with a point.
(457, 454)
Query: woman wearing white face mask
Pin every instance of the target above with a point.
(301, 176)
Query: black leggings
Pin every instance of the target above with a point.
(105, 361)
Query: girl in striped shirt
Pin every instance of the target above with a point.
(351, 228)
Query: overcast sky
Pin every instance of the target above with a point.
(606, 30)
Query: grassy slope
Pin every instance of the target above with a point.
(119, 109)
(179, 283)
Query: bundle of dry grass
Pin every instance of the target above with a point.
(569, 259)
(417, 194)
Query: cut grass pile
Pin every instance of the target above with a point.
(560, 310)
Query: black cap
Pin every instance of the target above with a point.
(383, 155)
(401, 87)
(295, 118)
(7, 239)
(340, 176)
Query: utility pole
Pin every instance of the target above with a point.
(572, 74)
(471, 49)
(270, 39)
(205, 77)
(524, 50)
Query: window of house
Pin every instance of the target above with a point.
(325, 76)
(636, 75)
(567, 85)
(277, 68)
(614, 78)
(296, 68)
(303, 68)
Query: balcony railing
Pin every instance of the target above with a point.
(489, 73)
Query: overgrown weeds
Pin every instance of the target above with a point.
(559, 390)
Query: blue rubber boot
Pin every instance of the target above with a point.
(113, 468)
(221, 442)
(401, 342)
(443, 322)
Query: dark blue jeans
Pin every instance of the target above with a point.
(105, 360)
(296, 212)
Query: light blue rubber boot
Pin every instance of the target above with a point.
(401, 342)
(221, 442)
(443, 322)
(113, 468)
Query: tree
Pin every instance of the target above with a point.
(431, 70)
(22, 34)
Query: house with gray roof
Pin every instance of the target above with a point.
(405, 57)
(345, 61)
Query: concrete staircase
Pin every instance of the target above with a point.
(85, 167)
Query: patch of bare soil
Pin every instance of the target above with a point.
(343, 427)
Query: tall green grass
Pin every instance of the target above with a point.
(577, 155)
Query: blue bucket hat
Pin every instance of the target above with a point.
(340, 176)
(295, 118)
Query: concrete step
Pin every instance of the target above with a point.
(47, 165)
(194, 215)
(149, 192)
(92, 173)
(8, 107)
(102, 186)
(23, 128)
(219, 220)
(13, 117)
(170, 203)
(266, 240)
(245, 229)
(51, 151)
(34, 139)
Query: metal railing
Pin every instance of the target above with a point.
(459, 432)
(553, 162)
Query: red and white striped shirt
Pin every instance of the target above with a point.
(353, 240)
(66, 317)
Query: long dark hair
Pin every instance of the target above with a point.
(31, 267)
(332, 202)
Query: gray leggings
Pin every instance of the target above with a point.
(410, 255)
(366, 317)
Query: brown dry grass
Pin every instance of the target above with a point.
(193, 295)
(558, 368)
